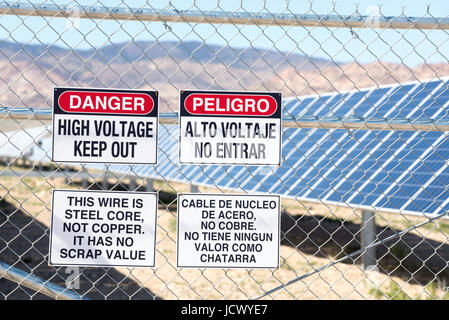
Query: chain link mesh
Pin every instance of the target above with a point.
(315, 58)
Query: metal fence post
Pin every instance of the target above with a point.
(368, 236)
(132, 184)
(67, 179)
(104, 182)
(149, 186)
(84, 178)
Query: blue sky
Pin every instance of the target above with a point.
(410, 47)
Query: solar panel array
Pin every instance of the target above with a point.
(416, 101)
(404, 171)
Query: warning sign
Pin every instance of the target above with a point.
(105, 126)
(219, 127)
(228, 231)
(97, 228)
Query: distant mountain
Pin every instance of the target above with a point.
(179, 52)
(28, 72)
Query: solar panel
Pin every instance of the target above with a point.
(399, 171)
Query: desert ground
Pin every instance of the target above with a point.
(313, 235)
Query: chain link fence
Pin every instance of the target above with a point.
(364, 174)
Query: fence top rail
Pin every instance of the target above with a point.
(355, 20)
(44, 116)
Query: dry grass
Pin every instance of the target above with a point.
(341, 281)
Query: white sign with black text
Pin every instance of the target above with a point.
(105, 126)
(237, 128)
(103, 228)
(228, 231)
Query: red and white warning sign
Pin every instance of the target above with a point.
(220, 127)
(105, 125)
(98, 228)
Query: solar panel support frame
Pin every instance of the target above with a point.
(150, 185)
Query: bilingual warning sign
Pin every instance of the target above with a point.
(105, 126)
(228, 231)
(220, 127)
(97, 228)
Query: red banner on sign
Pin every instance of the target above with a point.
(106, 102)
(230, 104)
